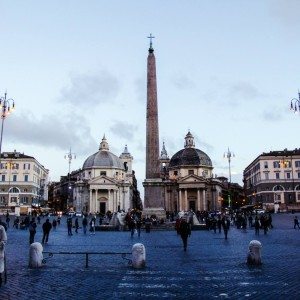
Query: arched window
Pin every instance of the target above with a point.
(278, 188)
(297, 188)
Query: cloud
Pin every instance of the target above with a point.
(183, 82)
(54, 131)
(241, 91)
(141, 90)
(123, 129)
(286, 11)
(91, 89)
(273, 115)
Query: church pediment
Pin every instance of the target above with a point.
(192, 179)
(103, 180)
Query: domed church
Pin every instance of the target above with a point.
(188, 179)
(105, 182)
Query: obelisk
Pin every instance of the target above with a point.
(153, 185)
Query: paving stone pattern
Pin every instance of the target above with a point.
(212, 267)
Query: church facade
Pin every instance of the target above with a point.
(105, 182)
(188, 180)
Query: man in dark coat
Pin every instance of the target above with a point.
(32, 230)
(46, 230)
(185, 232)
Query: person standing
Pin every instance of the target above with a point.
(147, 224)
(32, 230)
(76, 225)
(138, 225)
(84, 224)
(54, 224)
(257, 225)
(69, 225)
(185, 232)
(92, 225)
(46, 230)
(225, 226)
(296, 222)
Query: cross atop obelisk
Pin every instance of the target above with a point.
(151, 37)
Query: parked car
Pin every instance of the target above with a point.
(71, 213)
(78, 214)
(259, 211)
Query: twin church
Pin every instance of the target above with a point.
(182, 182)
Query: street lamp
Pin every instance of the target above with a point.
(229, 154)
(295, 104)
(6, 106)
(69, 156)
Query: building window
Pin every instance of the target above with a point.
(14, 177)
(298, 174)
(191, 172)
(24, 200)
(276, 164)
(103, 173)
(277, 175)
(25, 177)
(2, 199)
(288, 175)
(267, 176)
(175, 173)
(266, 165)
(298, 196)
(297, 163)
(3, 177)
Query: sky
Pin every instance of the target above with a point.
(226, 71)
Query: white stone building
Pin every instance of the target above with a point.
(104, 183)
(273, 177)
(23, 182)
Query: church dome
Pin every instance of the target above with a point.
(190, 156)
(103, 158)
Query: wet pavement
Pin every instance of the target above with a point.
(212, 267)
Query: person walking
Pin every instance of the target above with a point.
(256, 225)
(138, 225)
(46, 230)
(32, 230)
(131, 225)
(69, 225)
(147, 224)
(54, 224)
(7, 220)
(76, 225)
(185, 232)
(225, 226)
(296, 222)
(84, 224)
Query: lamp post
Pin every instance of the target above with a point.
(6, 106)
(229, 154)
(69, 156)
(295, 104)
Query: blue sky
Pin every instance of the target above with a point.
(226, 70)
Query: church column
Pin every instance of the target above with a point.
(109, 201)
(96, 200)
(185, 200)
(180, 201)
(91, 201)
(198, 200)
(204, 200)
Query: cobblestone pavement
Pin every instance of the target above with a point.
(212, 267)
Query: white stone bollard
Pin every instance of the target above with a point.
(138, 256)
(35, 255)
(3, 240)
(254, 255)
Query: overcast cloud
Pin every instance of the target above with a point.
(52, 131)
(91, 89)
(123, 130)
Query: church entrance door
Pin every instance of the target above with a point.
(192, 205)
(103, 208)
